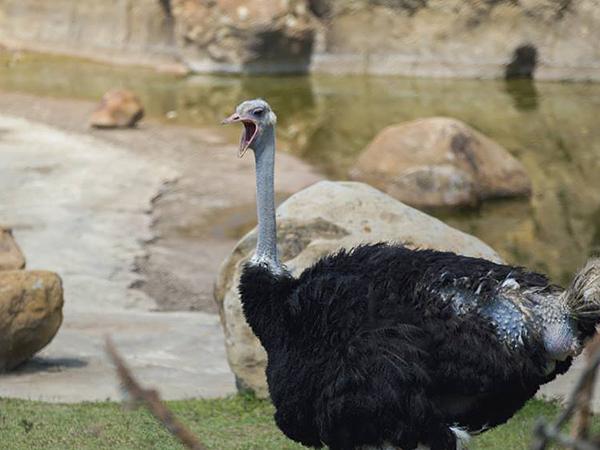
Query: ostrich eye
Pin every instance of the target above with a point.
(258, 112)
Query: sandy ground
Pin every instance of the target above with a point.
(136, 222)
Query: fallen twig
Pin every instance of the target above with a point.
(545, 433)
(583, 412)
(151, 400)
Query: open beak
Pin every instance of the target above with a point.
(249, 131)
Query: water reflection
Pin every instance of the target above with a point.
(523, 93)
(551, 127)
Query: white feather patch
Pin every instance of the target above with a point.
(511, 283)
(462, 438)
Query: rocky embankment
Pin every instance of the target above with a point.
(546, 39)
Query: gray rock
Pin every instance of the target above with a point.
(315, 222)
(440, 162)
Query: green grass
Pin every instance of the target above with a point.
(233, 423)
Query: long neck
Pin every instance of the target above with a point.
(266, 247)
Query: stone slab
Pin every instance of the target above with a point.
(180, 353)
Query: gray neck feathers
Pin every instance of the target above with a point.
(266, 247)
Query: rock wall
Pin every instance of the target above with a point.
(547, 39)
(122, 31)
(11, 256)
(249, 36)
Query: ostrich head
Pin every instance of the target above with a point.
(257, 117)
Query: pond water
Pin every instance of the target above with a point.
(553, 128)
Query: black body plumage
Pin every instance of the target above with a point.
(384, 344)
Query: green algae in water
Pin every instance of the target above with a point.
(551, 127)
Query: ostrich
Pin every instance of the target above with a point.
(384, 347)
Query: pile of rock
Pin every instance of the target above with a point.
(30, 306)
(314, 222)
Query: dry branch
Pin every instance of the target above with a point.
(151, 400)
(583, 412)
(546, 433)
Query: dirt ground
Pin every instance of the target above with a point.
(196, 217)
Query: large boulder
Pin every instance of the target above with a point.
(119, 108)
(440, 162)
(315, 222)
(11, 257)
(30, 314)
(244, 36)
